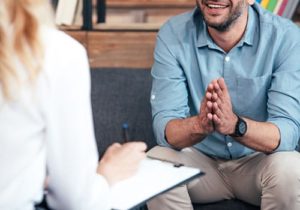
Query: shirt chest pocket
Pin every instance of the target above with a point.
(252, 96)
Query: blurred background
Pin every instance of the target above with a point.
(122, 33)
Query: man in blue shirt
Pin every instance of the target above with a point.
(226, 98)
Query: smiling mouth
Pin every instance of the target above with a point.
(216, 6)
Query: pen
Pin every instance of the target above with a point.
(125, 132)
(175, 164)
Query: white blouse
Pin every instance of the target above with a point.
(51, 129)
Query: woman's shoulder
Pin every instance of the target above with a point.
(60, 41)
(63, 54)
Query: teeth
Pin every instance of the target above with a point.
(215, 6)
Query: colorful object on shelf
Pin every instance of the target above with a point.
(285, 8)
(264, 3)
(271, 6)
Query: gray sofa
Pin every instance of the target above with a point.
(122, 95)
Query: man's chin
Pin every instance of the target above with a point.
(222, 27)
(219, 23)
(217, 20)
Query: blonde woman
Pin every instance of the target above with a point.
(46, 120)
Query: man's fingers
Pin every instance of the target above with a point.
(210, 116)
(208, 96)
(209, 105)
(222, 85)
(210, 87)
(219, 104)
(215, 107)
(214, 96)
(217, 111)
(218, 90)
(216, 119)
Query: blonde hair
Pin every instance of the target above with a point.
(20, 24)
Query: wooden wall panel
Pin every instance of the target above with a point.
(121, 49)
(145, 11)
(80, 36)
(149, 15)
(150, 3)
(128, 38)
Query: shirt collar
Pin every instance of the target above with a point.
(248, 37)
(204, 38)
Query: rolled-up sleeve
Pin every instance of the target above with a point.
(284, 97)
(169, 97)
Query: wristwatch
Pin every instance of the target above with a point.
(240, 128)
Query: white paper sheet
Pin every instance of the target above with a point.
(152, 178)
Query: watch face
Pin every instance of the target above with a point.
(242, 127)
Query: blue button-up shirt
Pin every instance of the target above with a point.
(262, 73)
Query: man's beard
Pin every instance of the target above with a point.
(230, 19)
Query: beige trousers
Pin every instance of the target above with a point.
(272, 181)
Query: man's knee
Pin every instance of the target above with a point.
(281, 174)
(280, 181)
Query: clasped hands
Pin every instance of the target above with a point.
(216, 112)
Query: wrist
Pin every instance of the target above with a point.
(240, 127)
(200, 128)
(104, 171)
(234, 123)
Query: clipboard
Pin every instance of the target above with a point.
(153, 178)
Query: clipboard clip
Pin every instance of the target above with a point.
(175, 164)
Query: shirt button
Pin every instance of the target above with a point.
(227, 58)
(152, 97)
(229, 144)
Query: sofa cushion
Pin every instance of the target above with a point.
(119, 96)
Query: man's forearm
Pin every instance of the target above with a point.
(261, 136)
(181, 133)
